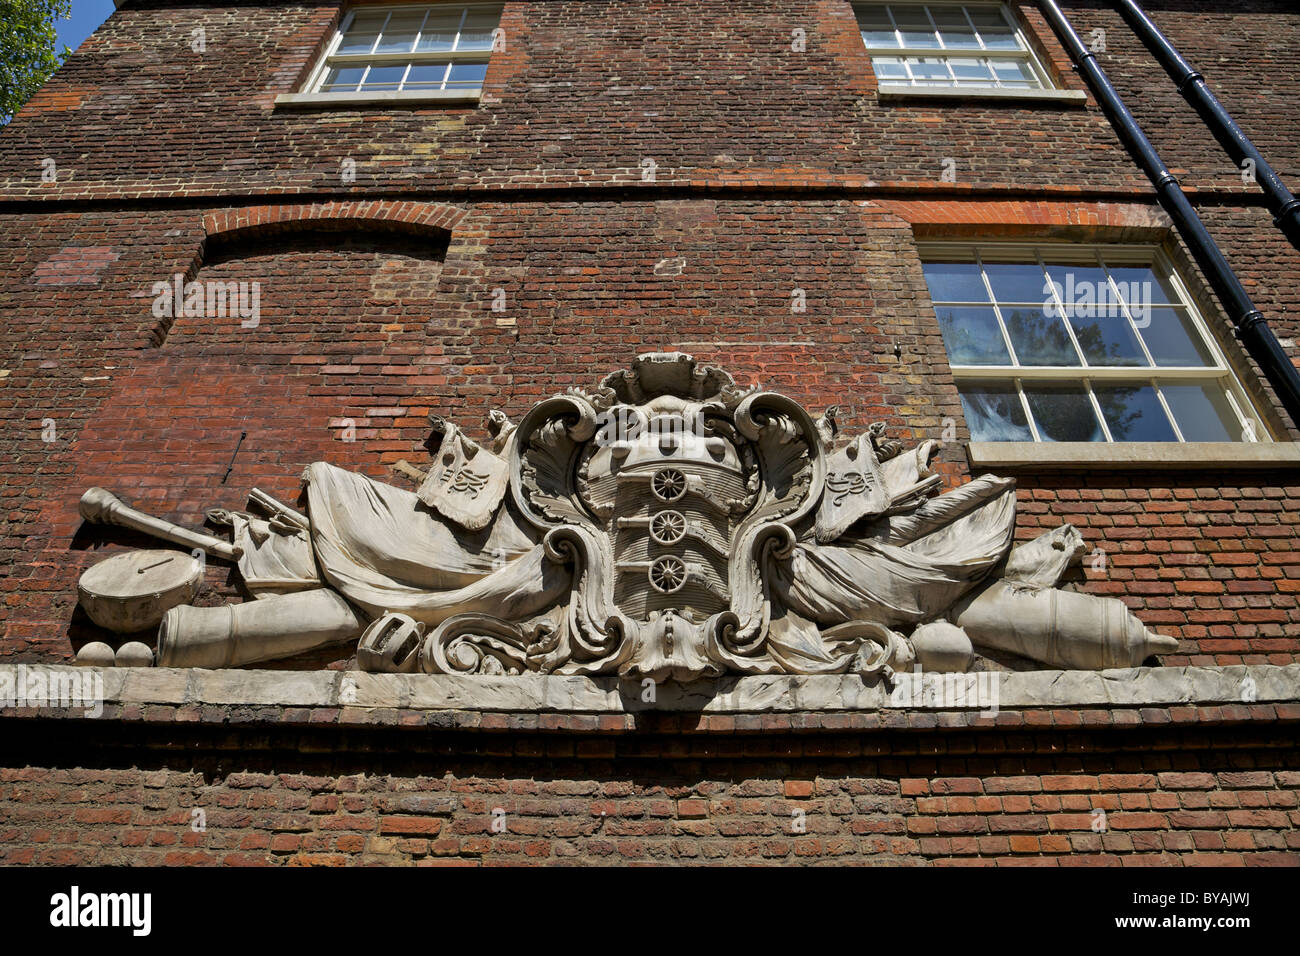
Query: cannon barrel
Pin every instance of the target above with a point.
(264, 630)
(1060, 628)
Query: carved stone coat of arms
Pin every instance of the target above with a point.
(668, 524)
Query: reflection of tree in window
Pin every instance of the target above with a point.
(1115, 405)
(972, 337)
(994, 413)
(1039, 339)
(1042, 340)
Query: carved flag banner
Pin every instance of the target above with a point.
(855, 489)
(466, 482)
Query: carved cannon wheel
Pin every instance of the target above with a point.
(669, 484)
(668, 574)
(668, 527)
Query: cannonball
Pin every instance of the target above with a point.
(95, 654)
(943, 647)
(135, 654)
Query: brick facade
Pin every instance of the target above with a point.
(775, 170)
(1180, 787)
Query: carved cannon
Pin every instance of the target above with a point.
(264, 630)
(1059, 628)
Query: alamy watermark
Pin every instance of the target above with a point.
(942, 690)
(1089, 299)
(75, 909)
(625, 424)
(212, 299)
(81, 689)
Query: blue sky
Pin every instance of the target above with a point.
(86, 17)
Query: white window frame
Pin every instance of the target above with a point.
(311, 93)
(1046, 88)
(1252, 426)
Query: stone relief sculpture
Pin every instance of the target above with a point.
(668, 525)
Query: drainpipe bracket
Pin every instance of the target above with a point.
(1190, 79)
(1286, 210)
(1249, 322)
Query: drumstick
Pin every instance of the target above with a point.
(104, 507)
(156, 564)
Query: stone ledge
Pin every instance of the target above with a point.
(318, 692)
(1145, 456)
(396, 98)
(889, 93)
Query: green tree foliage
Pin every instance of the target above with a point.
(27, 49)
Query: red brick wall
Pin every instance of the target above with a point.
(775, 170)
(708, 89)
(1136, 798)
(1244, 51)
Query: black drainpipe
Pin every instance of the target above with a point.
(1281, 202)
(1251, 328)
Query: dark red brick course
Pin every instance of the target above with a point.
(274, 798)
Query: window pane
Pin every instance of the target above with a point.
(973, 72)
(972, 336)
(1134, 413)
(1107, 340)
(476, 34)
(889, 68)
(439, 32)
(402, 21)
(381, 78)
(358, 43)
(1081, 285)
(342, 80)
(399, 34)
(1017, 282)
(1141, 284)
(425, 76)
(877, 30)
(1063, 412)
(368, 23)
(930, 70)
(955, 282)
(1014, 73)
(994, 412)
(466, 75)
(1172, 338)
(955, 31)
(918, 33)
(1096, 314)
(1203, 412)
(1038, 338)
(994, 29)
(396, 43)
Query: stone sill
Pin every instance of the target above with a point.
(397, 98)
(1133, 455)
(902, 94)
(1061, 699)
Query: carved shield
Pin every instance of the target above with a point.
(855, 489)
(466, 483)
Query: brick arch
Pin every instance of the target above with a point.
(225, 228)
(377, 215)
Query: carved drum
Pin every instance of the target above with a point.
(132, 591)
